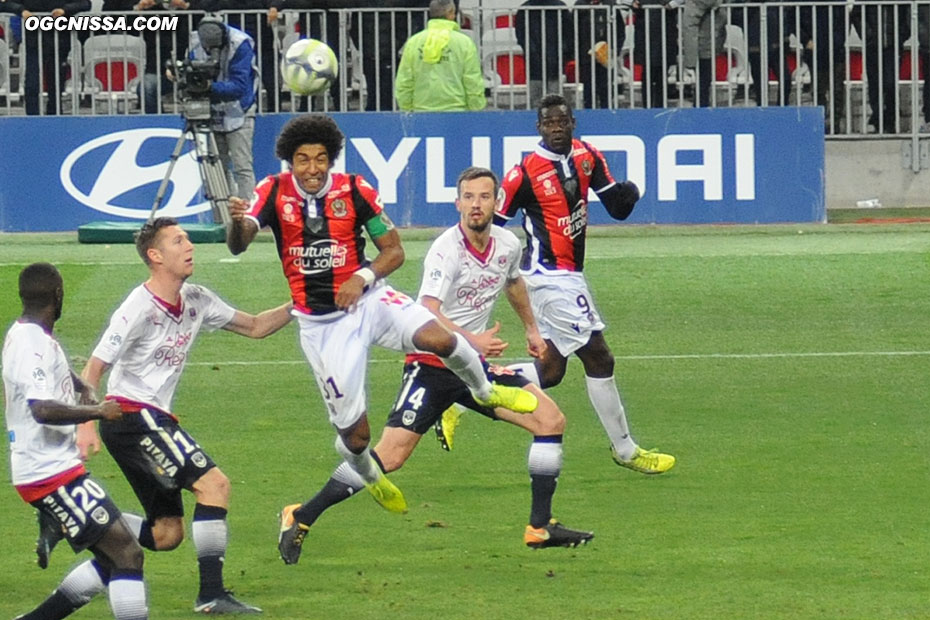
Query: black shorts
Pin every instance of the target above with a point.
(426, 391)
(84, 510)
(158, 458)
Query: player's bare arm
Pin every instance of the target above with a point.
(262, 324)
(487, 343)
(88, 441)
(520, 302)
(87, 394)
(57, 412)
(241, 230)
(390, 258)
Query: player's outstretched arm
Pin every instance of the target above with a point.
(619, 199)
(57, 412)
(261, 324)
(520, 302)
(241, 230)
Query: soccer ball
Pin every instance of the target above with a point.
(309, 67)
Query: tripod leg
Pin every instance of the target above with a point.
(163, 186)
(213, 174)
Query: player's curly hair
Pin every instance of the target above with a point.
(145, 236)
(309, 129)
(551, 101)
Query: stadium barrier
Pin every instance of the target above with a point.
(757, 165)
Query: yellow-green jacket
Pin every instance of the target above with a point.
(439, 71)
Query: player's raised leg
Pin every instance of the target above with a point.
(459, 357)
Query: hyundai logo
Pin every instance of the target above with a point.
(119, 174)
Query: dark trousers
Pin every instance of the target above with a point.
(43, 58)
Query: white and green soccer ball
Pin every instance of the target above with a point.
(309, 67)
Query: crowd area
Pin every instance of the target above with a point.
(863, 61)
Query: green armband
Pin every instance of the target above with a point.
(379, 225)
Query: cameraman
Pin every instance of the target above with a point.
(233, 94)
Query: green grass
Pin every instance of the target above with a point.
(785, 366)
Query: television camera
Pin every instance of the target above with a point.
(194, 79)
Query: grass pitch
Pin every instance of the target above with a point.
(785, 366)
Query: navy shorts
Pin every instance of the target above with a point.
(426, 391)
(158, 458)
(84, 509)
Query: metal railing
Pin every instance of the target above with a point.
(866, 63)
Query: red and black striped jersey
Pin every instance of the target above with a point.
(319, 237)
(552, 192)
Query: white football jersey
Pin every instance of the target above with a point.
(466, 281)
(148, 341)
(36, 368)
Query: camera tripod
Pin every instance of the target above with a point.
(212, 169)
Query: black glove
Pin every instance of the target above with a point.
(620, 199)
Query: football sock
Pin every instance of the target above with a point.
(466, 364)
(362, 462)
(545, 463)
(127, 595)
(76, 589)
(606, 402)
(528, 370)
(141, 529)
(343, 484)
(210, 535)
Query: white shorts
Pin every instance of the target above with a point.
(564, 309)
(336, 346)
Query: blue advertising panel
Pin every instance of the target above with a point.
(755, 165)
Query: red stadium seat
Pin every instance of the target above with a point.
(503, 67)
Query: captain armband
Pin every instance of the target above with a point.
(379, 225)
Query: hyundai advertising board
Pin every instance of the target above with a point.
(693, 166)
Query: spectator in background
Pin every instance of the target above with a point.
(879, 46)
(923, 38)
(379, 36)
(160, 46)
(654, 20)
(544, 31)
(439, 69)
(233, 98)
(259, 26)
(703, 32)
(824, 36)
(594, 48)
(46, 50)
(769, 55)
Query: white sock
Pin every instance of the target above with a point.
(606, 402)
(528, 370)
(134, 522)
(545, 458)
(210, 537)
(127, 598)
(362, 463)
(466, 364)
(349, 477)
(82, 583)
